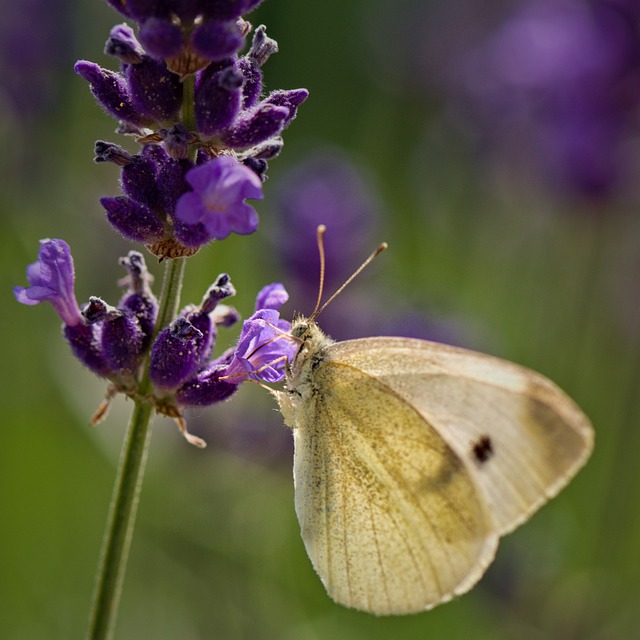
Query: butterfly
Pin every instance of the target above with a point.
(413, 458)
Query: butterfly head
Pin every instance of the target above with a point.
(302, 328)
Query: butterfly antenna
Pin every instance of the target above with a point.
(320, 239)
(317, 311)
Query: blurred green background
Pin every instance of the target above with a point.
(486, 248)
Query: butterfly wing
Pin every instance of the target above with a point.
(520, 438)
(389, 514)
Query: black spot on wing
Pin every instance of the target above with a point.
(483, 450)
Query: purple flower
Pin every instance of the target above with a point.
(175, 354)
(52, 279)
(567, 74)
(264, 346)
(139, 300)
(325, 188)
(207, 388)
(121, 339)
(216, 203)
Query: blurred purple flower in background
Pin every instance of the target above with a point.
(34, 47)
(325, 188)
(547, 90)
(331, 189)
(566, 72)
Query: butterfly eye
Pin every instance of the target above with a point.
(300, 329)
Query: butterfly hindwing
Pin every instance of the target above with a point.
(389, 515)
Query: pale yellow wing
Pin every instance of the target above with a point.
(389, 514)
(519, 436)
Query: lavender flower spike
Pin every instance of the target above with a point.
(216, 203)
(52, 279)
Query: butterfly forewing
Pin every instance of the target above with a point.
(520, 437)
(390, 516)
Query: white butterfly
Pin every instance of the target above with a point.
(413, 458)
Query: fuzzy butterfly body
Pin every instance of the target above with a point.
(412, 458)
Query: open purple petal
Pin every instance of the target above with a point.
(52, 279)
(217, 200)
(273, 296)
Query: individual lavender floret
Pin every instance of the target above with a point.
(155, 92)
(216, 207)
(250, 65)
(203, 317)
(139, 299)
(111, 91)
(144, 94)
(207, 388)
(134, 221)
(264, 346)
(218, 96)
(51, 279)
(123, 44)
(175, 354)
(121, 339)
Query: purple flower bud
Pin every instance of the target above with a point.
(217, 200)
(219, 290)
(161, 38)
(217, 40)
(255, 126)
(156, 152)
(109, 152)
(121, 339)
(202, 318)
(261, 46)
(110, 90)
(291, 99)
(139, 299)
(134, 221)
(52, 278)
(175, 355)
(217, 98)
(138, 180)
(252, 87)
(84, 341)
(173, 183)
(206, 388)
(122, 44)
(155, 92)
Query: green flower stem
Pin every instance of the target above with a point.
(126, 493)
(188, 94)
